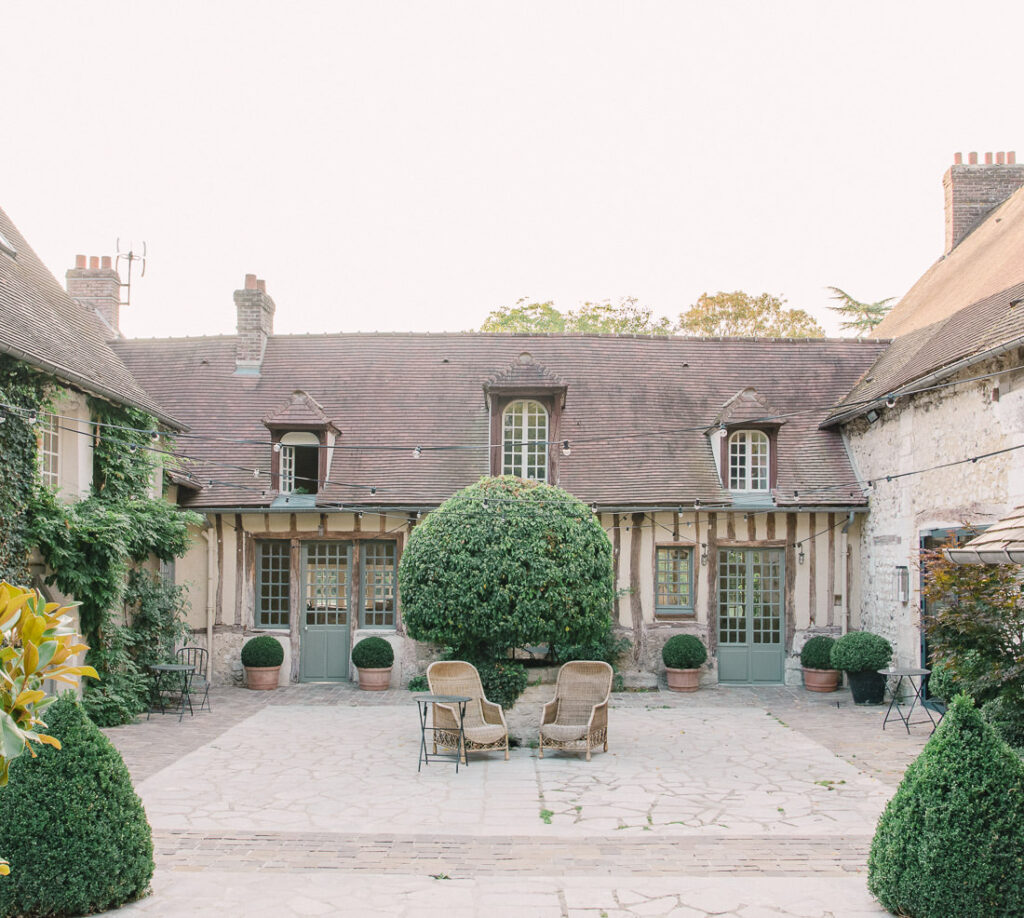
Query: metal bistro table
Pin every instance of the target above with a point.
(165, 671)
(915, 677)
(423, 703)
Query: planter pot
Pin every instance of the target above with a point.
(262, 678)
(375, 680)
(683, 680)
(821, 680)
(867, 687)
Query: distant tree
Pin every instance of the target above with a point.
(740, 314)
(526, 318)
(857, 316)
(626, 317)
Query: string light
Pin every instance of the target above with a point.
(417, 452)
(31, 418)
(566, 450)
(277, 447)
(890, 401)
(703, 554)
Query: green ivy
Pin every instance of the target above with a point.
(25, 388)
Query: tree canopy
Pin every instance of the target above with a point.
(765, 316)
(857, 316)
(625, 317)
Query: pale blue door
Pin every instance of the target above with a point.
(325, 611)
(751, 621)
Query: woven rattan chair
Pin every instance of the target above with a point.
(484, 726)
(577, 717)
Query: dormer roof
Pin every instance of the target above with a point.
(302, 412)
(524, 376)
(747, 406)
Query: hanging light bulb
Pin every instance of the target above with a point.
(703, 554)
(132, 447)
(277, 447)
(800, 557)
(3, 418)
(890, 401)
(154, 435)
(593, 508)
(32, 418)
(255, 473)
(416, 453)
(566, 450)
(373, 490)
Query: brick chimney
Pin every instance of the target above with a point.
(255, 325)
(974, 189)
(97, 286)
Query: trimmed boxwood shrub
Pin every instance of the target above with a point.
(503, 681)
(817, 652)
(373, 653)
(1006, 715)
(262, 651)
(951, 840)
(71, 825)
(861, 651)
(684, 651)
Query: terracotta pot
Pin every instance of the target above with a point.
(683, 680)
(821, 680)
(375, 680)
(262, 678)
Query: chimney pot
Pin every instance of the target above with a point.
(958, 159)
(1000, 158)
(972, 159)
(988, 159)
(1011, 157)
(972, 193)
(79, 261)
(250, 281)
(94, 262)
(261, 285)
(105, 262)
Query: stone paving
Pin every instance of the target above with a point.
(307, 801)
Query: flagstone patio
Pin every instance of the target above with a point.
(307, 801)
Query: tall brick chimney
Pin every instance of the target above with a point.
(973, 189)
(255, 325)
(97, 286)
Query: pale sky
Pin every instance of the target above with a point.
(410, 166)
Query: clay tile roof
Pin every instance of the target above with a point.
(968, 335)
(745, 406)
(986, 261)
(636, 411)
(44, 327)
(301, 411)
(1001, 543)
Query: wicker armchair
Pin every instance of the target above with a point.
(577, 717)
(484, 726)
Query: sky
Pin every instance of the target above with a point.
(411, 166)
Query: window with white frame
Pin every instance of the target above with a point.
(748, 460)
(525, 440)
(48, 442)
(300, 463)
(673, 580)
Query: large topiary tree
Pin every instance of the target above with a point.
(507, 563)
(71, 825)
(951, 840)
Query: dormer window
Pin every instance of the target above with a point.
(300, 463)
(749, 458)
(525, 440)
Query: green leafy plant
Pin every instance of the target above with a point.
(507, 563)
(1006, 715)
(861, 651)
(70, 823)
(942, 685)
(373, 653)
(817, 652)
(951, 840)
(609, 649)
(684, 651)
(503, 681)
(262, 651)
(419, 683)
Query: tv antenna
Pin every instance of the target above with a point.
(131, 256)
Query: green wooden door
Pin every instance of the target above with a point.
(751, 621)
(325, 611)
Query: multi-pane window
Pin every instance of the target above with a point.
(748, 461)
(378, 578)
(299, 463)
(273, 587)
(326, 584)
(525, 440)
(673, 581)
(48, 440)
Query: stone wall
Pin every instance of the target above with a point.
(920, 433)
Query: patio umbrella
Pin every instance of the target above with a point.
(1001, 543)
